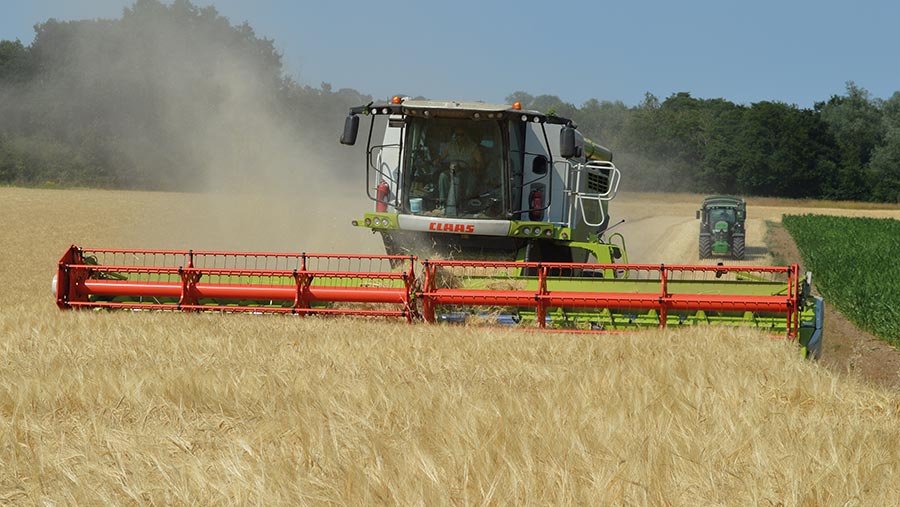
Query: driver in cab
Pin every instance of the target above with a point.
(465, 161)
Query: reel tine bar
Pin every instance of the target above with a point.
(258, 282)
(772, 290)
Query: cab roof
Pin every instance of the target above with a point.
(723, 200)
(456, 109)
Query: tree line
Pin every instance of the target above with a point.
(146, 100)
(845, 148)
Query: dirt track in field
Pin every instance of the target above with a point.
(662, 228)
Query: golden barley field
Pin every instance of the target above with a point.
(100, 408)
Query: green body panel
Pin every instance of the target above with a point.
(378, 221)
(626, 286)
(594, 151)
(618, 320)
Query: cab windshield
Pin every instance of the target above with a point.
(454, 168)
(721, 215)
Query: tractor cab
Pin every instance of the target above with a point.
(722, 217)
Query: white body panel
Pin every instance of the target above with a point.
(536, 146)
(477, 227)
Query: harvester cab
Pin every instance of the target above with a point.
(484, 181)
(722, 226)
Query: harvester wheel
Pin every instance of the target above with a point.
(737, 247)
(705, 246)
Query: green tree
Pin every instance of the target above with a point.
(786, 151)
(603, 121)
(15, 62)
(673, 138)
(855, 121)
(885, 163)
(723, 157)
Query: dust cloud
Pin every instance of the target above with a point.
(268, 181)
(652, 230)
(267, 184)
(202, 109)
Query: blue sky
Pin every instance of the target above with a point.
(797, 52)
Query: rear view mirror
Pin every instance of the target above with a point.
(351, 128)
(567, 142)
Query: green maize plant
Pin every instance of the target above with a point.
(856, 266)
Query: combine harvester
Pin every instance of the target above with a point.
(483, 219)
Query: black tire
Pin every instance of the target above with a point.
(737, 247)
(705, 246)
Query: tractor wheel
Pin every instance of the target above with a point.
(737, 247)
(705, 246)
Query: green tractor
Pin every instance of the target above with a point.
(722, 226)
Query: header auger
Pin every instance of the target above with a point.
(483, 218)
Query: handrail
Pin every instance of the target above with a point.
(576, 198)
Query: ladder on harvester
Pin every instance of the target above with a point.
(600, 179)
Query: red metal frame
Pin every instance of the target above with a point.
(78, 284)
(662, 301)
